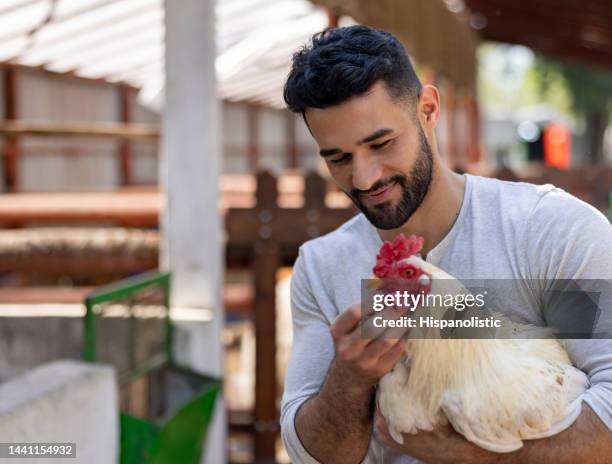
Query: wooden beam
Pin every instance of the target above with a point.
(38, 295)
(81, 129)
(129, 209)
(11, 146)
(550, 28)
(332, 17)
(77, 265)
(552, 15)
(289, 228)
(125, 149)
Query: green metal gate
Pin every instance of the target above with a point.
(165, 409)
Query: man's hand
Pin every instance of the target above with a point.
(362, 360)
(336, 425)
(441, 446)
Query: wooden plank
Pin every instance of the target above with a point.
(291, 227)
(81, 129)
(133, 209)
(37, 295)
(141, 205)
(77, 265)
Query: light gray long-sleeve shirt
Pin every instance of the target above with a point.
(504, 230)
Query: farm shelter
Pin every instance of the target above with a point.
(84, 85)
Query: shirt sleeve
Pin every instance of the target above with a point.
(311, 356)
(569, 239)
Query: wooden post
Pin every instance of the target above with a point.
(266, 263)
(270, 230)
(11, 147)
(332, 17)
(125, 149)
(266, 414)
(315, 189)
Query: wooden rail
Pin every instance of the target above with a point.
(129, 209)
(132, 131)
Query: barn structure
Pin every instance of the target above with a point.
(140, 134)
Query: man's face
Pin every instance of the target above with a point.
(377, 153)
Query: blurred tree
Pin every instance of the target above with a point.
(591, 92)
(507, 81)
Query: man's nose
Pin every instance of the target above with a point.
(366, 171)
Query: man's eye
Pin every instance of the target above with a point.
(378, 146)
(342, 159)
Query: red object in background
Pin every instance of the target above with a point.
(557, 146)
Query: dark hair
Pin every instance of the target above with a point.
(344, 62)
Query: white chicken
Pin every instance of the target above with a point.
(495, 392)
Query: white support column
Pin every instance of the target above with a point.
(189, 171)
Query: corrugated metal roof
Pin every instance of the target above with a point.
(123, 41)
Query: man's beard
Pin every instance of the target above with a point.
(414, 189)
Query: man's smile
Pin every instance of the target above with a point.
(379, 195)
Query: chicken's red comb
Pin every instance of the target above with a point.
(392, 252)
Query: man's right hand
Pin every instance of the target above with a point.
(362, 361)
(336, 424)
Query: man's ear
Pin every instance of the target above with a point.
(428, 107)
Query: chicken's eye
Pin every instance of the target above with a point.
(409, 272)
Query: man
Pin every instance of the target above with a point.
(375, 126)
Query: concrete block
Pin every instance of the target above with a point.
(63, 401)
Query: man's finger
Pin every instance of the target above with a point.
(369, 324)
(392, 356)
(346, 322)
(363, 336)
(379, 348)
